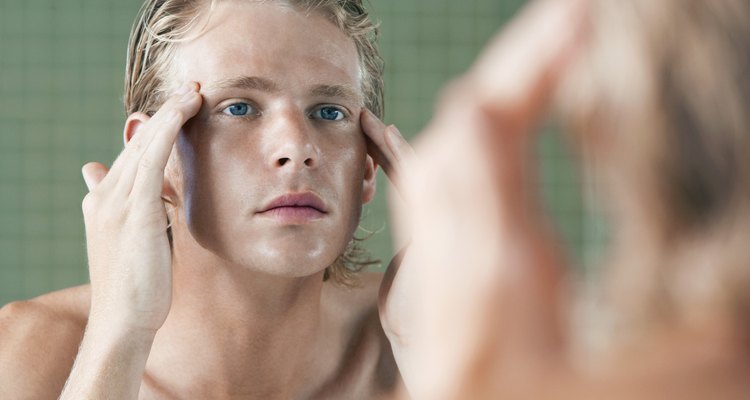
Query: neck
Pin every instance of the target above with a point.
(234, 329)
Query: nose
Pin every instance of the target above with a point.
(292, 145)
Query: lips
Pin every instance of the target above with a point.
(306, 199)
(295, 208)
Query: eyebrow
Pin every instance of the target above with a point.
(337, 91)
(246, 82)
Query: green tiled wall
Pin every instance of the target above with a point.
(61, 72)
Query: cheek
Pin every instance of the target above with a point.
(211, 171)
(346, 162)
(347, 168)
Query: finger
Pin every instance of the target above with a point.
(160, 133)
(386, 145)
(400, 149)
(93, 173)
(522, 64)
(389, 305)
(124, 168)
(375, 132)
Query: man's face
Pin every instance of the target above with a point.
(273, 171)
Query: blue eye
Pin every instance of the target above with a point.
(329, 113)
(237, 109)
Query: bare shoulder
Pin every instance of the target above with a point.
(39, 340)
(370, 369)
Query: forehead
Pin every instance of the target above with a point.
(269, 40)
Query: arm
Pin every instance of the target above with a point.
(129, 255)
(110, 363)
(37, 347)
(396, 298)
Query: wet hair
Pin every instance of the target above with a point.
(161, 24)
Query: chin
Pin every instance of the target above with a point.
(291, 251)
(288, 258)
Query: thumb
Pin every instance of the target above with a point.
(93, 173)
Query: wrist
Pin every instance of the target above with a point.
(111, 361)
(120, 319)
(114, 330)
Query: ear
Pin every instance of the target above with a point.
(368, 186)
(135, 123)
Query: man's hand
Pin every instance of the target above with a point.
(476, 301)
(129, 256)
(397, 297)
(126, 223)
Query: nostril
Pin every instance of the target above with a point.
(282, 161)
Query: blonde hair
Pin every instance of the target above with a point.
(668, 82)
(163, 23)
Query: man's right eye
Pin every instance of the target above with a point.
(237, 109)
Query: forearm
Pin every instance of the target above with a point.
(110, 364)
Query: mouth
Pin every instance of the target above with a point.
(295, 208)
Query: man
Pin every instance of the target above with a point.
(244, 138)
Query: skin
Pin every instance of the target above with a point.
(498, 327)
(238, 308)
(493, 329)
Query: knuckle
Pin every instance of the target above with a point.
(174, 115)
(89, 203)
(101, 213)
(136, 143)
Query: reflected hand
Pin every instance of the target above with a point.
(487, 274)
(397, 297)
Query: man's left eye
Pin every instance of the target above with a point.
(328, 113)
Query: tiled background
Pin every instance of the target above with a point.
(61, 72)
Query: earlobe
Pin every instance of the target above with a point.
(369, 184)
(134, 122)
